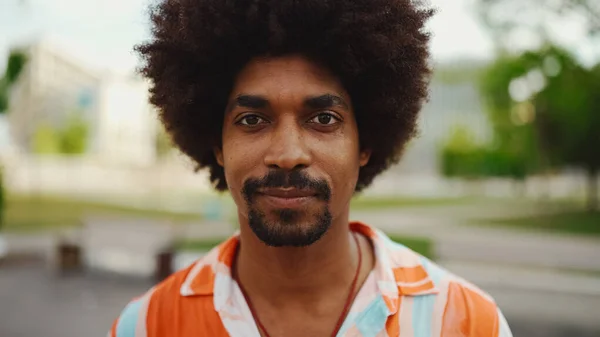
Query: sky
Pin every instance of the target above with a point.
(102, 33)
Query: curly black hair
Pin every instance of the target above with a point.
(377, 48)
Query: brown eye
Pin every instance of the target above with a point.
(324, 119)
(251, 120)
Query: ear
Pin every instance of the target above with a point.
(219, 155)
(364, 157)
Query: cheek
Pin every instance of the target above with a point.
(238, 163)
(342, 168)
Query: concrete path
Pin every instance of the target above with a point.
(454, 240)
(526, 278)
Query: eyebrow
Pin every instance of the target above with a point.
(248, 101)
(316, 102)
(325, 101)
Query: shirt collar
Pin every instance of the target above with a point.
(398, 270)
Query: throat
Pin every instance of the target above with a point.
(284, 296)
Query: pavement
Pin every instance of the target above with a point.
(455, 239)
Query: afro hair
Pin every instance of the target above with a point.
(377, 48)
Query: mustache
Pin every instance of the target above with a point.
(278, 178)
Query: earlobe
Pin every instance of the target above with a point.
(364, 157)
(219, 156)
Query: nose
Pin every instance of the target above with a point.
(287, 150)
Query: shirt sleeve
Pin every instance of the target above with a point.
(132, 320)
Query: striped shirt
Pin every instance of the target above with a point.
(405, 295)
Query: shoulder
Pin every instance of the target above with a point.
(167, 304)
(132, 321)
(458, 305)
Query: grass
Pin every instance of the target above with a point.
(29, 214)
(422, 246)
(35, 213)
(582, 223)
(374, 203)
(198, 245)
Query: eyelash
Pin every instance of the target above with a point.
(334, 116)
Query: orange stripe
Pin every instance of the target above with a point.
(361, 228)
(227, 251)
(203, 282)
(113, 329)
(170, 314)
(410, 274)
(408, 290)
(468, 314)
(392, 326)
(391, 304)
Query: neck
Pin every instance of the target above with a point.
(297, 273)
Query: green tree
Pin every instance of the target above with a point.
(74, 136)
(14, 67)
(461, 156)
(507, 157)
(3, 96)
(569, 122)
(46, 140)
(546, 103)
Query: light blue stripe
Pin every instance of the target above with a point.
(436, 274)
(348, 322)
(423, 315)
(423, 305)
(128, 319)
(372, 320)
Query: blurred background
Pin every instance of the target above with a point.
(500, 186)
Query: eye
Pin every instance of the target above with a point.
(251, 120)
(324, 118)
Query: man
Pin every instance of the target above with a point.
(294, 106)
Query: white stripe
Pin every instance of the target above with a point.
(503, 328)
(439, 308)
(186, 289)
(406, 321)
(210, 259)
(414, 284)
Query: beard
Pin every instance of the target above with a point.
(288, 227)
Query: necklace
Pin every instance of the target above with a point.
(347, 304)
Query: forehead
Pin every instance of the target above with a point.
(286, 75)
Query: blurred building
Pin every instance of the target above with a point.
(55, 86)
(450, 104)
(122, 152)
(453, 101)
(7, 146)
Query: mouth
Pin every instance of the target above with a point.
(287, 197)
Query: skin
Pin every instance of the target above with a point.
(290, 286)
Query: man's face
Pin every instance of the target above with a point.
(290, 149)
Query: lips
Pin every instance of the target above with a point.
(287, 193)
(287, 198)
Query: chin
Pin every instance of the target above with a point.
(289, 227)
